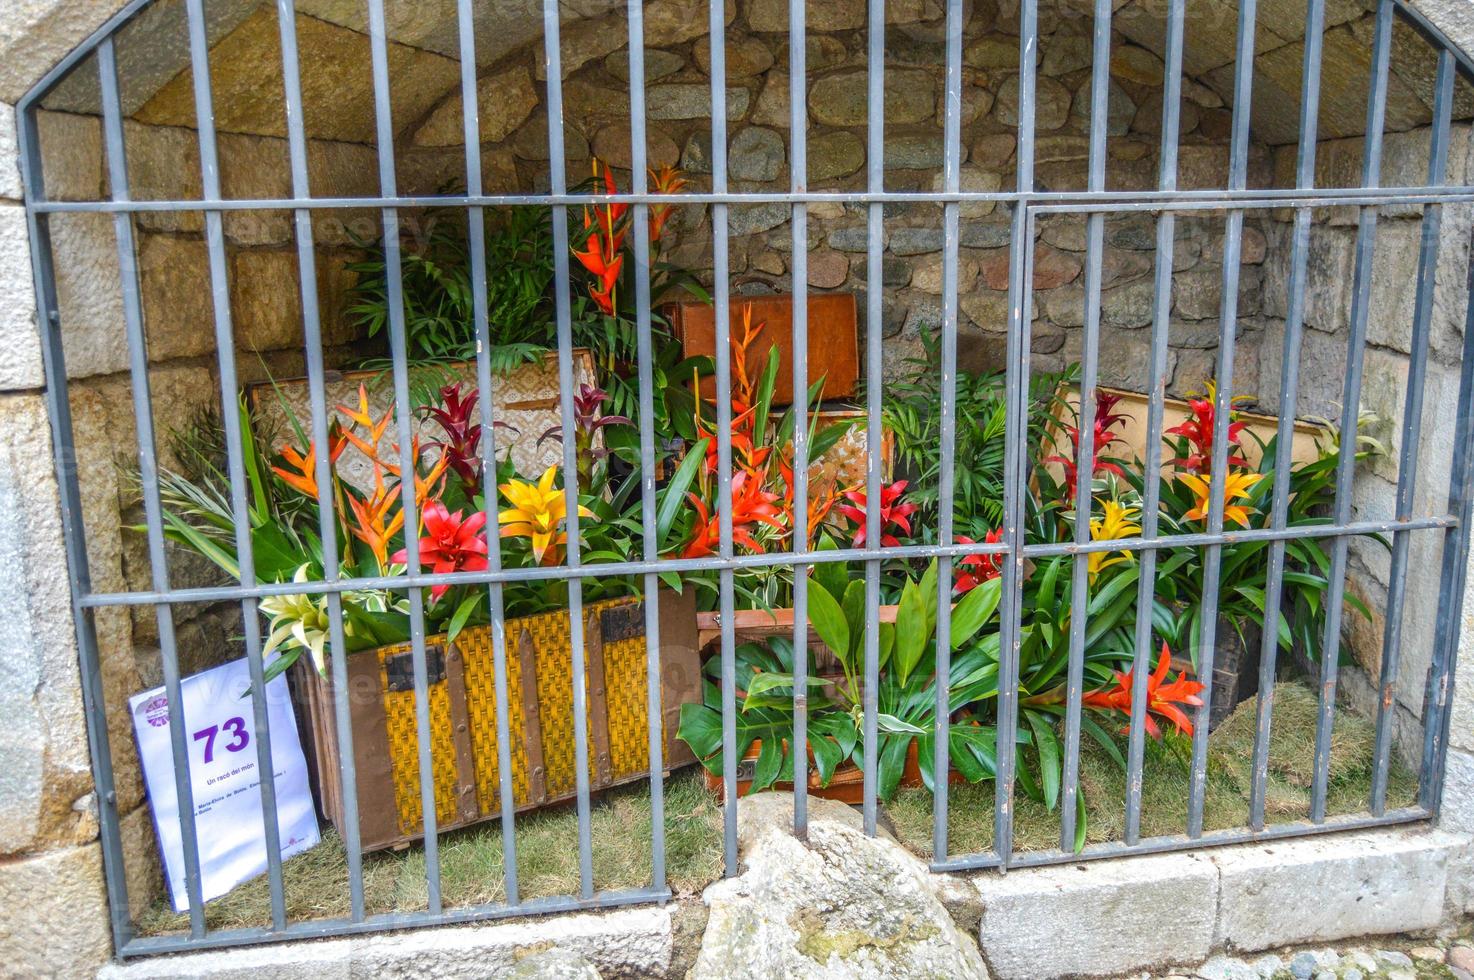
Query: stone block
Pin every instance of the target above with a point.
(10, 186)
(58, 923)
(626, 943)
(44, 741)
(1338, 886)
(20, 338)
(1099, 919)
(504, 101)
(338, 103)
(840, 99)
(71, 156)
(89, 298)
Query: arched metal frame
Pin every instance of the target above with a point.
(1026, 206)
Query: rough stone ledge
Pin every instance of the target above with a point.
(1130, 914)
(1318, 889)
(624, 943)
(1098, 918)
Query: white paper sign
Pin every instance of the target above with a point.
(220, 733)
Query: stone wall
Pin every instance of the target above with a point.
(595, 65)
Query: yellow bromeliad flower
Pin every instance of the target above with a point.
(1118, 522)
(537, 512)
(1235, 486)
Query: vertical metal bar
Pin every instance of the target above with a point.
(399, 351)
(1146, 583)
(317, 398)
(1454, 571)
(645, 357)
(148, 472)
(798, 122)
(1223, 403)
(476, 237)
(946, 477)
(874, 397)
(1366, 243)
(199, 52)
(1412, 426)
(1016, 434)
(1085, 441)
(723, 341)
(1289, 388)
(58, 407)
(552, 53)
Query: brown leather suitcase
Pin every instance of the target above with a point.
(833, 348)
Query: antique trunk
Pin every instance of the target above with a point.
(462, 694)
(833, 349)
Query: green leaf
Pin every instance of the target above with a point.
(1080, 818)
(911, 632)
(832, 576)
(854, 615)
(701, 728)
(887, 643)
(890, 723)
(1049, 756)
(974, 610)
(829, 622)
(769, 764)
(463, 612)
(674, 494)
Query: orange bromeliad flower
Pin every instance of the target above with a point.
(1161, 698)
(360, 416)
(1235, 486)
(372, 523)
(751, 505)
(666, 180)
(603, 254)
(300, 473)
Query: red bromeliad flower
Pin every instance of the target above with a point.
(1106, 419)
(450, 544)
(974, 570)
(751, 505)
(462, 442)
(1197, 429)
(1161, 699)
(892, 514)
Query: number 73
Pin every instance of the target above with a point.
(234, 727)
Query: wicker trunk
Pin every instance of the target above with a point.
(462, 690)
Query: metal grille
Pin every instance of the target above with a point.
(1025, 204)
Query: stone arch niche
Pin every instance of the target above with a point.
(163, 161)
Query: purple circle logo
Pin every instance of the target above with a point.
(156, 711)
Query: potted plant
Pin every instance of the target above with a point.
(448, 486)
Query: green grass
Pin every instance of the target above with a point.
(547, 841)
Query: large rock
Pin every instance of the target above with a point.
(840, 99)
(844, 905)
(56, 922)
(504, 102)
(20, 341)
(1052, 922)
(338, 102)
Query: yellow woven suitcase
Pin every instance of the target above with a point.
(540, 717)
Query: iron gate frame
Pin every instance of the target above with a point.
(1025, 205)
